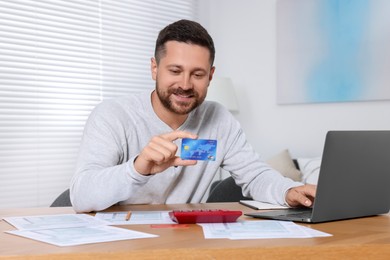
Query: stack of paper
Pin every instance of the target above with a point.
(70, 229)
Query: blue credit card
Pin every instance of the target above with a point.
(198, 149)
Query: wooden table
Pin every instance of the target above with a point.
(363, 238)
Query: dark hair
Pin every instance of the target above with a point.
(184, 31)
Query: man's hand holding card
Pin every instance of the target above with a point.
(160, 154)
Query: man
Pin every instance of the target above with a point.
(129, 151)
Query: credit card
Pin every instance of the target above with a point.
(198, 149)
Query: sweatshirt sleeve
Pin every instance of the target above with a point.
(104, 175)
(257, 179)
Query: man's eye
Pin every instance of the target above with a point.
(199, 75)
(175, 71)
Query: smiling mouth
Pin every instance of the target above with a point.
(181, 98)
(182, 95)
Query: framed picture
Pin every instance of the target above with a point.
(333, 50)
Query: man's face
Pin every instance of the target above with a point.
(182, 76)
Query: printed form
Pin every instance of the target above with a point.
(70, 229)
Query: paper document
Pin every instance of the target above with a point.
(259, 230)
(80, 235)
(54, 221)
(261, 205)
(70, 229)
(137, 217)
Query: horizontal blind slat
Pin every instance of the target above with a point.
(59, 59)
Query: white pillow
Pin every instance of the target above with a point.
(283, 163)
(310, 168)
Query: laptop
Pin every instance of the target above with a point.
(354, 179)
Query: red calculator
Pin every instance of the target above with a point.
(204, 216)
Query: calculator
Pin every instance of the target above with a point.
(204, 216)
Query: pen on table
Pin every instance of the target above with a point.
(128, 215)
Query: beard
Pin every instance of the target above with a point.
(181, 108)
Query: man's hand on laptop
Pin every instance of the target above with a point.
(301, 195)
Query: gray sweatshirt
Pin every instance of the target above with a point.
(118, 129)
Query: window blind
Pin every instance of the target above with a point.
(58, 60)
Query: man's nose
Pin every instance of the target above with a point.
(186, 82)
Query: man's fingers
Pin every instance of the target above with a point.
(300, 198)
(172, 136)
(164, 144)
(302, 195)
(180, 162)
(310, 190)
(307, 194)
(305, 201)
(162, 149)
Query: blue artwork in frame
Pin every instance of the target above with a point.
(333, 50)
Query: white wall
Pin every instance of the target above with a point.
(245, 38)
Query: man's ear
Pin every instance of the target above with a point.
(153, 68)
(212, 70)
